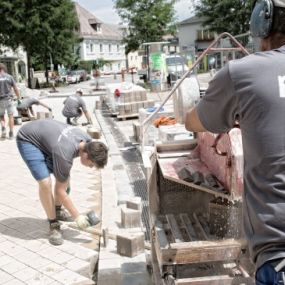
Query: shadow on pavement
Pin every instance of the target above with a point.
(31, 229)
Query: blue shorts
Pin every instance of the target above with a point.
(38, 163)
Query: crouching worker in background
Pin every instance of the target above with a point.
(25, 107)
(49, 146)
(74, 107)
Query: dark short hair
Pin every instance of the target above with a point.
(279, 21)
(3, 67)
(97, 152)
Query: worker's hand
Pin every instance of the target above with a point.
(82, 222)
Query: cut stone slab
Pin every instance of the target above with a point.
(130, 244)
(135, 203)
(130, 218)
(94, 133)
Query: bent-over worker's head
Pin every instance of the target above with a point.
(94, 153)
(79, 92)
(267, 23)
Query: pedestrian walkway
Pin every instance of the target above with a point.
(26, 257)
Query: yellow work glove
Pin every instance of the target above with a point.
(82, 222)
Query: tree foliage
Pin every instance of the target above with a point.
(44, 28)
(230, 16)
(146, 20)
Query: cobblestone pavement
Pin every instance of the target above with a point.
(26, 257)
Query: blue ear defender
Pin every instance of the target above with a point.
(261, 20)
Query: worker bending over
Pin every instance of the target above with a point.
(251, 91)
(49, 146)
(25, 107)
(74, 106)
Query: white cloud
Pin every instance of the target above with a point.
(184, 9)
(107, 15)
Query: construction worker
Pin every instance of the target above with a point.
(251, 91)
(7, 82)
(25, 107)
(74, 106)
(49, 146)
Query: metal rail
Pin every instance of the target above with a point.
(196, 63)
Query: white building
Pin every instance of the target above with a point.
(15, 61)
(100, 41)
(192, 34)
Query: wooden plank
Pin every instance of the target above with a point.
(161, 236)
(201, 251)
(209, 280)
(215, 280)
(174, 228)
(188, 227)
(199, 229)
(170, 154)
(178, 146)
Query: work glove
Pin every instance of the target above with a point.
(82, 222)
(19, 102)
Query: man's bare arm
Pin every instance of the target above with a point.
(62, 196)
(192, 122)
(16, 90)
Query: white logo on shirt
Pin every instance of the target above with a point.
(281, 80)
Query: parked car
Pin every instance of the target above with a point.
(75, 76)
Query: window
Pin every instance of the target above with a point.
(205, 35)
(101, 48)
(91, 47)
(131, 58)
(110, 48)
(119, 66)
(118, 48)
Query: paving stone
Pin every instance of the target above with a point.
(13, 282)
(5, 277)
(40, 279)
(130, 218)
(13, 267)
(26, 274)
(130, 244)
(5, 259)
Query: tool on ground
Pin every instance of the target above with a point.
(93, 219)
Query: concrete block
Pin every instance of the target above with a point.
(128, 107)
(41, 115)
(94, 133)
(135, 203)
(136, 129)
(130, 244)
(130, 218)
(143, 95)
(109, 273)
(134, 108)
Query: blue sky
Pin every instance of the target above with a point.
(105, 12)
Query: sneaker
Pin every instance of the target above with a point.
(55, 236)
(62, 215)
(3, 135)
(11, 135)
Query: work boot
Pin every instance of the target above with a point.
(11, 135)
(3, 135)
(55, 236)
(62, 215)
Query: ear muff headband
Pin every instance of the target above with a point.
(261, 20)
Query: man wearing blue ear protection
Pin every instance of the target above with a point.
(251, 91)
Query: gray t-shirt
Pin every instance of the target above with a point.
(27, 103)
(58, 141)
(72, 106)
(252, 91)
(6, 83)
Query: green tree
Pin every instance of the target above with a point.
(44, 28)
(230, 16)
(146, 20)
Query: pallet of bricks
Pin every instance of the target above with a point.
(131, 101)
